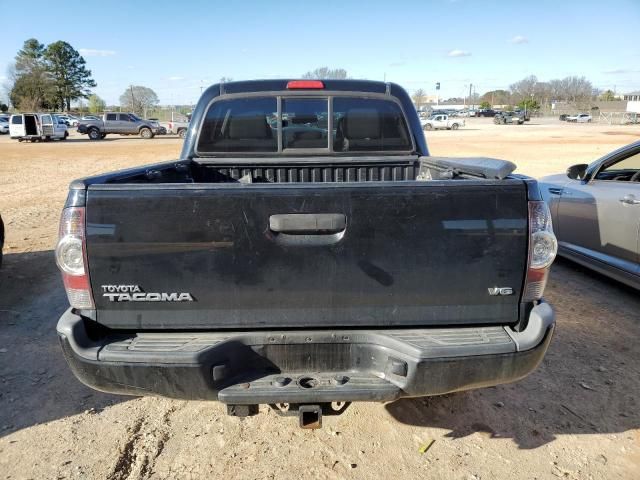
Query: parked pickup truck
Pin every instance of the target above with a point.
(118, 123)
(305, 252)
(442, 121)
(503, 118)
(178, 127)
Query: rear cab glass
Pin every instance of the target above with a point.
(300, 124)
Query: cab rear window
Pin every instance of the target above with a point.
(298, 124)
(369, 125)
(240, 125)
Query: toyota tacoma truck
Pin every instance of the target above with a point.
(118, 123)
(305, 252)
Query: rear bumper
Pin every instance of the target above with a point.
(305, 366)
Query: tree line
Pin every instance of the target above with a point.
(532, 94)
(48, 77)
(51, 77)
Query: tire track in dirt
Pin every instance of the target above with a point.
(146, 440)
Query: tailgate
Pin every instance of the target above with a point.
(234, 256)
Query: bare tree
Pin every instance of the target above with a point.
(419, 97)
(326, 73)
(524, 89)
(138, 99)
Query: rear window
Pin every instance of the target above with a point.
(252, 125)
(16, 120)
(241, 125)
(369, 125)
(305, 123)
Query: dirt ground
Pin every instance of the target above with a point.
(576, 417)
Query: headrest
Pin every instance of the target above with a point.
(361, 123)
(252, 125)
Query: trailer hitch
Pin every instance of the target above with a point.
(310, 415)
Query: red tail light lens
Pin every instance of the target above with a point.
(305, 84)
(71, 258)
(543, 248)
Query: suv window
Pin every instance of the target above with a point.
(622, 170)
(111, 117)
(240, 125)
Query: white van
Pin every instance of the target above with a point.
(37, 126)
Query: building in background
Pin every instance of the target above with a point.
(633, 101)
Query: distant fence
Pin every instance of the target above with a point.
(619, 118)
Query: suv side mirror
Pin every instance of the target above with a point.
(577, 172)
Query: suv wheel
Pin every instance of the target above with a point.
(94, 134)
(146, 133)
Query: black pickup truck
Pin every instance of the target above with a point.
(305, 252)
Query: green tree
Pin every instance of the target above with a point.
(326, 73)
(485, 105)
(529, 104)
(32, 85)
(497, 97)
(608, 96)
(96, 104)
(4, 108)
(31, 93)
(30, 57)
(71, 77)
(139, 99)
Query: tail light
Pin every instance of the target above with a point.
(543, 247)
(305, 84)
(71, 257)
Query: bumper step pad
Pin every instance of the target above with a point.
(338, 387)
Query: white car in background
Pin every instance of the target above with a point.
(70, 120)
(4, 124)
(580, 118)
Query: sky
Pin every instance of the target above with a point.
(178, 47)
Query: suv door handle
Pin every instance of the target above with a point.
(630, 200)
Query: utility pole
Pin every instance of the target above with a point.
(470, 87)
(132, 99)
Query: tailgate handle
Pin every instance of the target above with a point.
(308, 223)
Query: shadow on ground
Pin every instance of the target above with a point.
(36, 386)
(588, 382)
